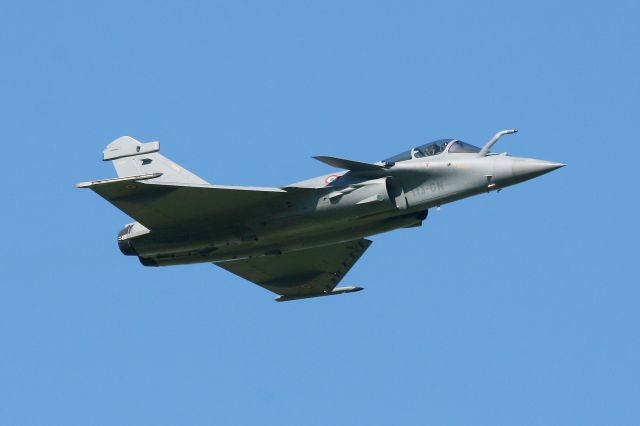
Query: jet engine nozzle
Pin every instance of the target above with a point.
(124, 243)
(127, 235)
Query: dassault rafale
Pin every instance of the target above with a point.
(299, 240)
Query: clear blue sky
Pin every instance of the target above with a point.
(518, 308)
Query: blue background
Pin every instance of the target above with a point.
(512, 308)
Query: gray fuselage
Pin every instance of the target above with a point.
(336, 207)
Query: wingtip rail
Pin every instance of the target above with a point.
(337, 290)
(120, 179)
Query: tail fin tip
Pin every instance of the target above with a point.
(131, 157)
(126, 146)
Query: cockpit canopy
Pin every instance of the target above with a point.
(452, 146)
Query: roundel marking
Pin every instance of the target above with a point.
(331, 178)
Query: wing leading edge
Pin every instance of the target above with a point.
(302, 274)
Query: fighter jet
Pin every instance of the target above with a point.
(299, 240)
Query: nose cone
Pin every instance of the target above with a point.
(527, 168)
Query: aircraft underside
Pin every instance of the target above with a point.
(274, 242)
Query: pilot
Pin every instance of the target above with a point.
(442, 147)
(430, 150)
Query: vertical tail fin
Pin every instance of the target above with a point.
(132, 158)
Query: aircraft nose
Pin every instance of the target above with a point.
(528, 168)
